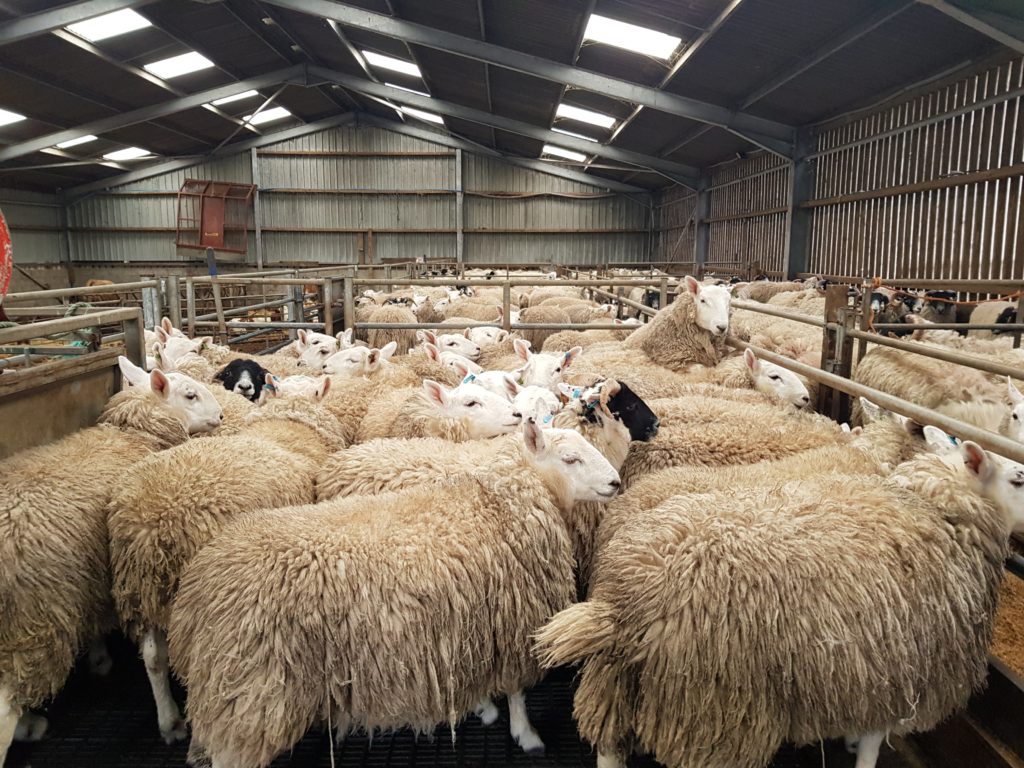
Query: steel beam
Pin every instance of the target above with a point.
(1004, 29)
(534, 165)
(47, 21)
(772, 135)
(799, 218)
(177, 164)
(103, 125)
(683, 174)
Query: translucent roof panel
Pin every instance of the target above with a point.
(630, 37)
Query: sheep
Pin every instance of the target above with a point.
(472, 311)
(433, 606)
(462, 366)
(542, 369)
(405, 339)
(747, 371)
(452, 342)
(537, 403)
(541, 314)
(243, 377)
(54, 574)
(294, 386)
(320, 346)
(712, 431)
(939, 307)
(467, 412)
(563, 340)
(990, 313)
(762, 290)
(170, 504)
(501, 383)
(785, 645)
(487, 335)
(357, 361)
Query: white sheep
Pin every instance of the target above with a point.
(357, 361)
(317, 347)
(454, 621)
(451, 342)
(542, 369)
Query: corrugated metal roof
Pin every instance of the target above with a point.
(59, 84)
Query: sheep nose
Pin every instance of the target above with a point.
(805, 399)
(245, 386)
(221, 417)
(615, 484)
(517, 415)
(721, 327)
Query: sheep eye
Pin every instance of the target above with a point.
(190, 396)
(773, 377)
(558, 370)
(472, 404)
(571, 460)
(1015, 417)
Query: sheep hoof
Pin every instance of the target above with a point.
(100, 664)
(176, 731)
(851, 742)
(31, 727)
(537, 751)
(487, 713)
(531, 744)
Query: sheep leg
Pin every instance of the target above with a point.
(610, 760)
(100, 662)
(154, 654)
(30, 727)
(197, 757)
(867, 749)
(486, 711)
(519, 722)
(8, 722)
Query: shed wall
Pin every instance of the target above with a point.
(34, 220)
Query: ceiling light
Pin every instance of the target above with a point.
(76, 142)
(267, 115)
(631, 37)
(430, 117)
(131, 153)
(178, 65)
(236, 97)
(584, 116)
(6, 118)
(579, 157)
(575, 135)
(403, 88)
(389, 62)
(109, 25)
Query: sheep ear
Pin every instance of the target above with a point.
(872, 411)
(692, 285)
(428, 336)
(1015, 396)
(344, 338)
(134, 375)
(522, 347)
(752, 362)
(977, 461)
(857, 431)
(510, 385)
(204, 341)
(465, 332)
(502, 335)
(532, 437)
(303, 339)
(222, 374)
(432, 352)
(388, 350)
(436, 393)
(568, 391)
(161, 334)
(323, 389)
(163, 362)
(159, 383)
(937, 440)
(571, 355)
(167, 325)
(460, 366)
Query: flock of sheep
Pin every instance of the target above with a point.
(394, 531)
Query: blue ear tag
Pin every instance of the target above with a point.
(470, 378)
(566, 355)
(576, 393)
(953, 440)
(548, 418)
(271, 387)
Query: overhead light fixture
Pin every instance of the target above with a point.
(419, 114)
(575, 135)
(76, 142)
(176, 66)
(131, 153)
(630, 37)
(109, 25)
(267, 116)
(6, 118)
(570, 112)
(403, 88)
(568, 154)
(236, 97)
(389, 62)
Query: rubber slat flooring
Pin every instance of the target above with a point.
(110, 722)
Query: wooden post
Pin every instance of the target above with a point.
(836, 351)
(506, 306)
(327, 295)
(190, 305)
(348, 308)
(174, 300)
(211, 266)
(663, 288)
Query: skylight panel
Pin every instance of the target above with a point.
(584, 116)
(549, 149)
(178, 65)
(430, 117)
(267, 116)
(76, 142)
(6, 118)
(389, 62)
(236, 97)
(631, 37)
(403, 88)
(109, 25)
(575, 135)
(130, 153)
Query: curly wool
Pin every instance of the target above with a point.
(563, 341)
(542, 314)
(712, 431)
(404, 338)
(810, 612)
(169, 505)
(54, 570)
(285, 618)
(408, 413)
(673, 339)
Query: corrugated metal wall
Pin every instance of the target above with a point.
(347, 193)
(927, 188)
(34, 220)
(677, 225)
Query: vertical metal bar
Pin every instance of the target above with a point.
(1020, 318)
(348, 308)
(174, 300)
(295, 309)
(798, 229)
(663, 290)
(190, 305)
(702, 229)
(257, 208)
(459, 212)
(327, 294)
(150, 307)
(134, 340)
(65, 226)
(506, 306)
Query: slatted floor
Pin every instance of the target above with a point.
(111, 723)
